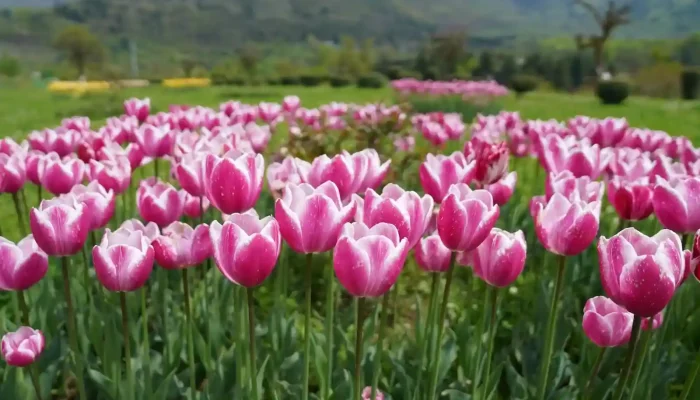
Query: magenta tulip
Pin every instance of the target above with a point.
(605, 323)
(367, 394)
(695, 256)
(432, 255)
(150, 230)
(407, 211)
(311, 219)
(23, 347)
(375, 171)
(641, 273)
(123, 260)
(439, 172)
(346, 171)
(571, 187)
(12, 172)
(491, 162)
(155, 141)
(22, 265)
(499, 259)
(32, 166)
(58, 175)
(567, 227)
(246, 247)
(233, 182)
(466, 217)
(579, 157)
(631, 199)
(181, 246)
(60, 225)
(63, 142)
(112, 174)
(138, 108)
(188, 172)
(281, 173)
(195, 205)
(100, 203)
(367, 261)
(677, 203)
(159, 202)
(502, 190)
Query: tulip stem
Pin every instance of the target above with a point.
(251, 344)
(190, 339)
(551, 329)
(690, 380)
(25, 321)
(86, 273)
(493, 325)
(639, 360)
(594, 372)
(18, 210)
(359, 319)
(155, 167)
(479, 339)
(39, 194)
(146, 342)
(307, 326)
(127, 345)
(629, 360)
(426, 336)
(330, 307)
(441, 326)
(72, 333)
(380, 346)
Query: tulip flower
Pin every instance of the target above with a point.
(665, 168)
(138, 108)
(675, 203)
(62, 142)
(367, 394)
(491, 162)
(23, 347)
(567, 227)
(233, 182)
(571, 187)
(79, 124)
(581, 158)
(150, 231)
(311, 219)
(499, 259)
(375, 172)
(61, 225)
(32, 166)
(605, 323)
(439, 172)
(188, 172)
(346, 171)
(404, 143)
(99, 202)
(642, 273)
(155, 141)
(466, 217)
(281, 173)
(22, 265)
(290, 104)
(112, 174)
(432, 255)
(181, 246)
(159, 202)
(58, 175)
(502, 190)
(12, 172)
(123, 260)
(195, 206)
(407, 211)
(631, 199)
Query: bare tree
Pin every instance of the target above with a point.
(614, 17)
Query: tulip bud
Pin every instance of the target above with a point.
(432, 255)
(123, 260)
(233, 182)
(100, 203)
(23, 347)
(407, 211)
(499, 259)
(466, 217)
(22, 265)
(367, 393)
(675, 203)
(367, 261)
(60, 226)
(567, 227)
(439, 172)
(605, 323)
(159, 202)
(180, 246)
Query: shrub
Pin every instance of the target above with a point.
(658, 80)
(374, 80)
(453, 104)
(612, 92)
(289, 80)
(690, 84)
(9, 66)
(522, 84)
(311, 80)
(339, 81)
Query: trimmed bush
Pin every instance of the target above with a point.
(374, 80)
(690, 84)
(289, 80)
(522, 84)
(612, 92)
(311, 80)
(339, 81)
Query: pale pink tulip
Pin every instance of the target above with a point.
(22, 265)
(138, 108)
(181, 246)
(466, 217)
(100, 203)
(571, 187)
(432, 255)
(59, 176)
(233, 182)
(60, 226)
(159, 202)
(112, 174)
(123, 260)
(439, 172)
(281, 173)
(605, 323)
(406, 210)
(150, 230)
(22, 347)
(567, 227)
(155, 141)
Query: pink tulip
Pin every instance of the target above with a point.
(123, 260)
(502, 190)
(23, 347)
(656, 322)
(32, 166)
(367, 393)
(155, 141)
(188, 172)
(677, 203)
(63, 142)
(407, 211)
(665, 168)
(9, 146)
(100, 203)
(499, 259)
(159, 202)
(346, 171)
(13, 172)
(269, 112)
(193, 208)
(311, 219)
(180, 246)
(695, 256)
(466, 217)
(439, 172)
(258, 136)
(291, 104)
(610, 132)
(233, 182)
(22, 265)
(404, 143)
(60, 225)
(642, 273)
(632, 199)
(150, 230)
(491, 162)
(567, 227)
(605, 323)
(432, 255)
(375, 171)
(434, 133)
(367, 261)
(135, 154)
(79, 124)
(138, 108)
(112, 174)
(281, 173)
(579, 157)
(59, 176)
(246, 247)
(571, 187)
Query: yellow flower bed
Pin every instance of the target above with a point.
(186, 82)
(78, 86)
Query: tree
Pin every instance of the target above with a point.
(188, 65)
(249, 57)
(614, 17)
(507, 71)
(448, 50)
(80, 46)
(9, 66)
(486, 66)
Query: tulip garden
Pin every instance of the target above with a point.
(273, 251)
